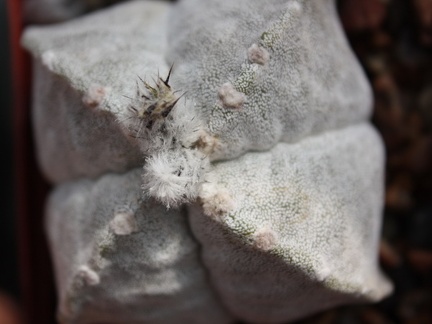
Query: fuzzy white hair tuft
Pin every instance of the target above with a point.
(173, 177)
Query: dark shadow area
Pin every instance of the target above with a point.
(8, 268)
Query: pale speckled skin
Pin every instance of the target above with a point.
(153, 275)
(311, 83)
(284, 233)
(74, 139)
(320, 201)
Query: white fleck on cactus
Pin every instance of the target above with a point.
(285, 231)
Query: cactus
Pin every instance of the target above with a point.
(249, 118)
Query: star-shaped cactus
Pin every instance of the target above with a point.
(243, 182)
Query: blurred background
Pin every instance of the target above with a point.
(393, 41)
(9, 288)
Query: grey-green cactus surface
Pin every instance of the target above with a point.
(298, 230)
(123, 259)
(214, 162)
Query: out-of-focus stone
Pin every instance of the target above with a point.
(360, 15)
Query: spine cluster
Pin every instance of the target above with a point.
(173, 139)
(172, 135)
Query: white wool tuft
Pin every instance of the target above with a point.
(216, 200)
(177, 157)
(173, 177)
(265, 238)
